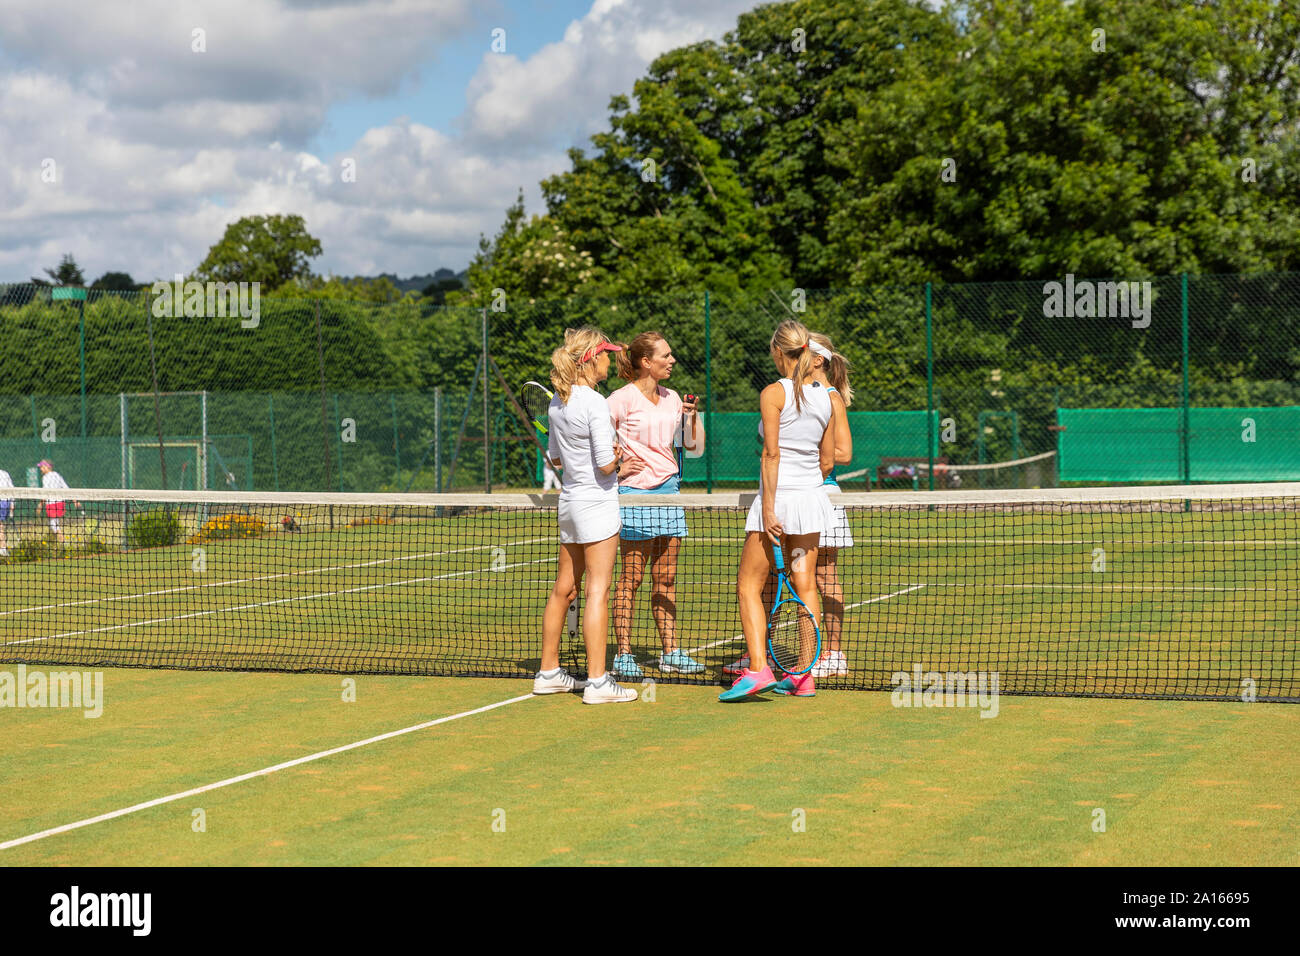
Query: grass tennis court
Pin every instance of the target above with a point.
(1137, 598)
(678, 780)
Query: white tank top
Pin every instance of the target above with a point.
(801, 437)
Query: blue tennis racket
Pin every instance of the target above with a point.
(793, 638)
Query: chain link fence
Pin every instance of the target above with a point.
(976, 385)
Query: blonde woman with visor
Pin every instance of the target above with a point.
(581, 439)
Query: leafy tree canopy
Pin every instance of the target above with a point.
(115, 282)
(66, 273)
(833, 142)
(271, 250)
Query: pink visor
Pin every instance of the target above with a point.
(590, 354)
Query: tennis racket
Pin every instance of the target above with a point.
(793, 638)
(681, 448)
(537, 399)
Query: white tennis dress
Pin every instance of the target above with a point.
(838, 535)
(581, 436)
(802, 505)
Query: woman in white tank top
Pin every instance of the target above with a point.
(792, 507)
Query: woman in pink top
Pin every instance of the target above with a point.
(650, 421)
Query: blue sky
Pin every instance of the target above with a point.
(134, 141)
(438, 97)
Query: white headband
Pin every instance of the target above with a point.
(821, 350)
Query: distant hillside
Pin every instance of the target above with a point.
(420, 283)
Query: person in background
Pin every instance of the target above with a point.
(831, 371)
(650, 420)
(6, 510)
(581, 439)
(550, 479)
(54, 507)
(792, 507)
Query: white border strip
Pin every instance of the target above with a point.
(727, 499)
(113, 815)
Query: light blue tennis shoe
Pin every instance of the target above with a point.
(680, 662)
(626, 668)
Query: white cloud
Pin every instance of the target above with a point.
(564, 89)
(159, 148)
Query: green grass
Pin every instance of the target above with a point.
(1188, 604)
(681, 780)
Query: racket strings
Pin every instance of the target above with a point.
(792, 637)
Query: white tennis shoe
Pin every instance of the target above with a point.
(832, 664)
(606, 690)
(742, 665)
(560, 682)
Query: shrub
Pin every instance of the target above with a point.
(156, 528)
(229, 526)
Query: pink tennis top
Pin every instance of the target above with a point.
(647, 431)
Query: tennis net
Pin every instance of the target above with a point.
(1186, 592)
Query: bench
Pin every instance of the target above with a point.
(912, 471)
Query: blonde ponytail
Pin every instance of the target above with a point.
(837, 368)
(566, 361)
(791, 339)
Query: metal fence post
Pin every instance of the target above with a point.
(708, 397)
(1186, 431)
(487, 416)
(929, 382)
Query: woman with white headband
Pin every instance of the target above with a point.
(831, 371)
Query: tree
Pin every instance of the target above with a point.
(436, 291)
(67, 273)
(115, 282)
(379, 290)
(1162, 145)
(270, 250)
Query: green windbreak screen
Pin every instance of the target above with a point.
(1144, 444)
(876, 435)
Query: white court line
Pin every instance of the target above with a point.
(847, 607)
(54, 831)
(260, 577)
(288, 600)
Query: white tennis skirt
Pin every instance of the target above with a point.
(585, 522)
(800, 512)
(838, 535)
